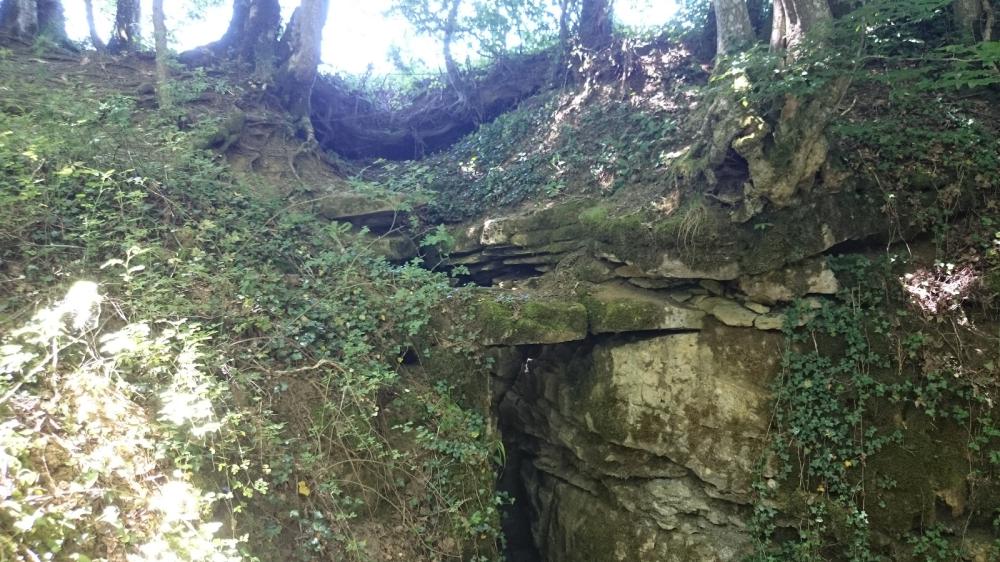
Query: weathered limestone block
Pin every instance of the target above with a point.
(493, 233)
(772, 321)
(618, 308)
(776, 320)
(808, 277)
(700, 243)
(673, 267)
(699, 399)
(757, 307)
(378, 214)
(516, 319)
(729, 312)
(582, 527)
(394, 248)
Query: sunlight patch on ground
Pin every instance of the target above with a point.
(98, 467)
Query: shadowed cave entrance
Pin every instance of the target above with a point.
(524, 380)
(533, 463)
(632, 446)
(517, 517)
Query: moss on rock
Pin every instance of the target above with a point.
(618, 308)
(522, 319)
(916, 479)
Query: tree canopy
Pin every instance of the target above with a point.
(286, 54)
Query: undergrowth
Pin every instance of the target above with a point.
(872, 390)
(884, 410)
(614, 127)
(292, 328)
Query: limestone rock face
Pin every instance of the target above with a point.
(730, 313)
(617, 308)
(650, 249)
(645, 449)
(510, 320)
(378, 214)
(583, 527)
(809, 277)
(639, 404)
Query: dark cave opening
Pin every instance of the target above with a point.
(517, 514)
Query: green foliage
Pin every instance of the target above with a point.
(455, 462)
(486, 28)
(493, 168)
(195, 84)
(933, 546)
(926, 175)
(910, 46)
(102, 435)
(440, 239)
(849, 363)
(309, 327)
(824, 398)
(542, 149)
(692, 19)
(904, 62)
(196, 8)
(632, 148)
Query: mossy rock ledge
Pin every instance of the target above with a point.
(700, 242)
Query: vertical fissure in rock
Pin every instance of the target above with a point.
(517, 518)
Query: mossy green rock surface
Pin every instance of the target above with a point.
(620, 308)
(518, 319)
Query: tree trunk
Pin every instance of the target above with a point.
(732, 21)
(561, 67)
(295, 78)
(160, 38)
(968, 18)
(95, 39)
(19, 18)
(52, 20)
(252, 36)
(785, 158)
(990, 15)
(784, 155)
(125, 37)
(596, 24)
(454, 74)
(31, 18)
(564, 31)
(794, 18)
(760, 18)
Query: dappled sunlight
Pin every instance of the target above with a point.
(177, 500)
(650, 78)
(82, 453)
(79, 307)
(129, 339)
(940, 288)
